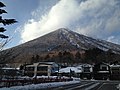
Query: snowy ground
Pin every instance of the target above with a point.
(118, 87)
(41, 86)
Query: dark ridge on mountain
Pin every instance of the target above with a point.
(59, 40)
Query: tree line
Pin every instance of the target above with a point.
(94, 55)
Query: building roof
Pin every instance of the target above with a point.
(45, 63)
(67, 70)
(115, 65)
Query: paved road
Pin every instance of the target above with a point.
(109, 85)
(90, 85)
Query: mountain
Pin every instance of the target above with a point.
(59, 40)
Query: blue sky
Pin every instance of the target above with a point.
(20, 10)
(94, 18)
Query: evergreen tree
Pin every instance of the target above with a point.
(92, 54)
(77, 57)
(37, 58)
(110, 55)
(68, 58)
(60, 57)
(4, 22)
(32, 59)
(47, 57)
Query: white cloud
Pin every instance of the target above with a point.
(114, 39)
(60, 15)
(96, 18)
(113, 23)
(101, 19)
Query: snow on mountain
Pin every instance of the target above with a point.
(84, 42)
(66, 39)
(59, 40)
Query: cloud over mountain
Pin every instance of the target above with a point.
(96, 18)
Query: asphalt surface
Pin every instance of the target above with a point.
(109, 85)
(90, 85)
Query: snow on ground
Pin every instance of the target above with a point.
(40, 86)
(118, 86)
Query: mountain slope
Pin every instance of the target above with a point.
(59, 40)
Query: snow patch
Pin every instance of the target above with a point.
(40, 86)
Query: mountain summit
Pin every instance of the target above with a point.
(64, 39)
(59, 40)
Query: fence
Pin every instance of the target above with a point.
(18, 82)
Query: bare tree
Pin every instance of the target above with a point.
(4, 39)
